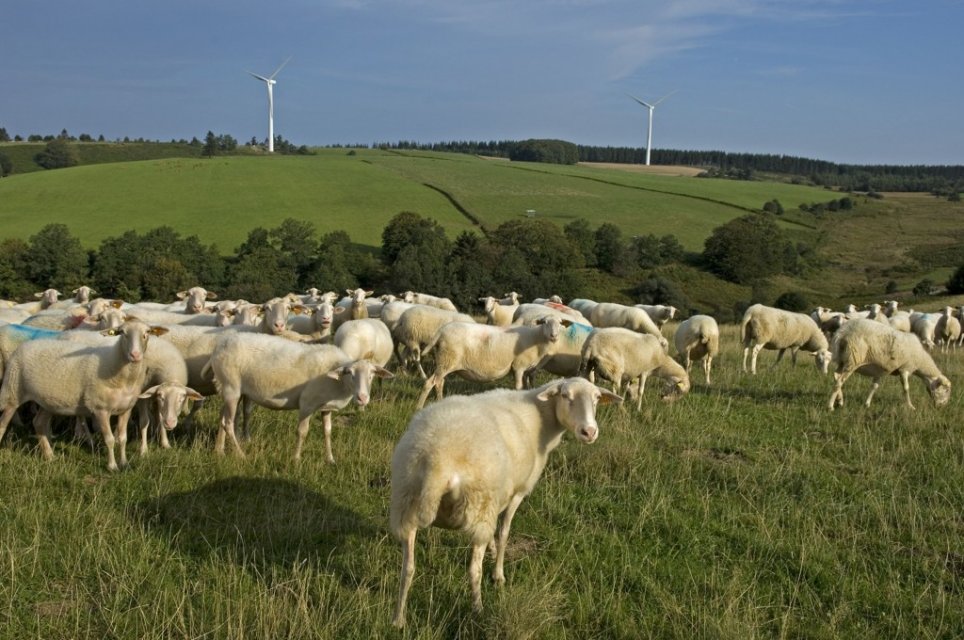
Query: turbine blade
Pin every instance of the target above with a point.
(648, 106)
(262, 78)
(279, 68)
(664, 97)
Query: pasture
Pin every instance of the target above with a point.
(220, 199)
(742, 510)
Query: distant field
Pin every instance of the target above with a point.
(903, 237)
(221, 199)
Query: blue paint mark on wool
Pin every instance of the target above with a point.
(23, 333)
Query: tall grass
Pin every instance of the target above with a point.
(743, 510)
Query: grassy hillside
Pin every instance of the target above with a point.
(743, 510)
(903, 237)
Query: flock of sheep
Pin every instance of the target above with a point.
(465, 460)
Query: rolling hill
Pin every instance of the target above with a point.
(902, 238)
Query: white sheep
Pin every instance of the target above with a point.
(484, 353)
(498, 313)
(430, 300)
(280, 374)
(611, 314)
(552, 298)
(466, 460)
(317, 325)
(698, 338)
(583, 306)
(658, 313)
(766, 327)
(620, 355)
(365, 339)
(566, 358)
(828, 321)
(45, 299)
(417, 327)
(392, 311)
(530, 312)
(194, 299)
(872, 349)
(72, 378)
(947, 332)
(901, 321)
(924, 326)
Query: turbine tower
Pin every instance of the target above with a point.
(649, 133)
(270, 82)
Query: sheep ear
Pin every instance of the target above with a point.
(566, 323)
(349, 291)
(117, 304)
(158, 331)
(147, 393)
(383, 373)
(549, 393)
(75, 290)
(210, 295)
(608, 397)
(338, 373)
(181, 295)
(39, 294)
(338, 310)
(368, 293)
(192, 394)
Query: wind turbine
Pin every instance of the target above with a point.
(270, 82)
(651, 107)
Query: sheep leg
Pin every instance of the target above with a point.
(229, 412)
(498, 574)
(122, 421)
(779, 358)
(475, 574)
(756, 351)
(162, 433)
(707, 365)
(408, 571)
(836, 398)
(8, 413)
(793, 355)
(641, 387)
(905, 380)
(873, 390)
(426, 389)
(247, 406)
(687, 362)
(326, 421)
(304, 423)
(102, 421)
(82, 433)
(746, 352)
(143, 424)
(41, 426)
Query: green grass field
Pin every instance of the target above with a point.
(222, 198)
(743, 510)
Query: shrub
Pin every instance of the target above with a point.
(955, 284)
(792, 301)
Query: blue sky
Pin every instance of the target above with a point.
(868, 81)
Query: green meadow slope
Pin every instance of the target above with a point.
(903, 237)
(221, 199)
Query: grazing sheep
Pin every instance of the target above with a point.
(698, 338)
(466, 460)
(498, 313)
(530, 312)
(924, 326)
(658, 313)
(426, 299)
(366, 339)
(417, 327)
(583, 306)
(280, 374)
(566, 358)
(947, 332)
(484, 353)
(770, 328)
(621, 355)
(72, 378)
(872, 349)
(828, 321)
(610, 314)
(166, 392)
(392, 311)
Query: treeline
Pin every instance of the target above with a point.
(936, 179)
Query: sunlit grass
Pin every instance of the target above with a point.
(742, 510)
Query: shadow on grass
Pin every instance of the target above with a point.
(259, 524)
